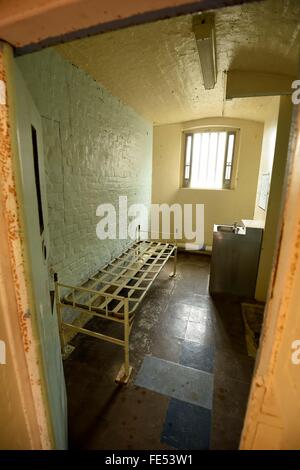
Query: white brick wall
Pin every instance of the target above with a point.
(96, 149)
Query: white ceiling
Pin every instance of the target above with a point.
(155, 68)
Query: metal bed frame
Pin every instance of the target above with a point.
(115, 292)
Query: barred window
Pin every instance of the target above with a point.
(209, 157)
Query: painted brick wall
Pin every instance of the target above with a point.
(96, 149)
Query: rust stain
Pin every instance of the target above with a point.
(294, 265)
(295, 262)
(11, 208)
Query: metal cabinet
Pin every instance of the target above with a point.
(235, 258)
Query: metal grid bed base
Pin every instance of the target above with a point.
(115, 292)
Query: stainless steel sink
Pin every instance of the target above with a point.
(225, 228)
(230, 229)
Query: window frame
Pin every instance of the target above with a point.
(227, 183)
(187, 181)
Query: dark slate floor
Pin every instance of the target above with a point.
(178, 321)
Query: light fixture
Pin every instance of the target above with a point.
(204, 31)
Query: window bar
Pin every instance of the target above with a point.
(216, 159)
(188, 160)
(207, 159)
(227, 181)
(201, 144)
(225, 162)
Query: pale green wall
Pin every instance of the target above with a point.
(96, 149)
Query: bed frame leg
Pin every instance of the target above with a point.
(126, 369)
(59, 315)
(138, 233)
(173, 274)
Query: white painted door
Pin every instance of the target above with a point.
(32, 176)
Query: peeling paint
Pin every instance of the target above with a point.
(8, 190)
(13, 226)
(2, 93)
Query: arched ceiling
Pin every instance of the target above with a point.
(155, 68)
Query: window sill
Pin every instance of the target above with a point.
(207, 189)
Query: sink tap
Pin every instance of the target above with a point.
(235, 228)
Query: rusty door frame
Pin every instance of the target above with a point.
(14, 280)
(56, 21)
(283, 285)
(16, 295)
